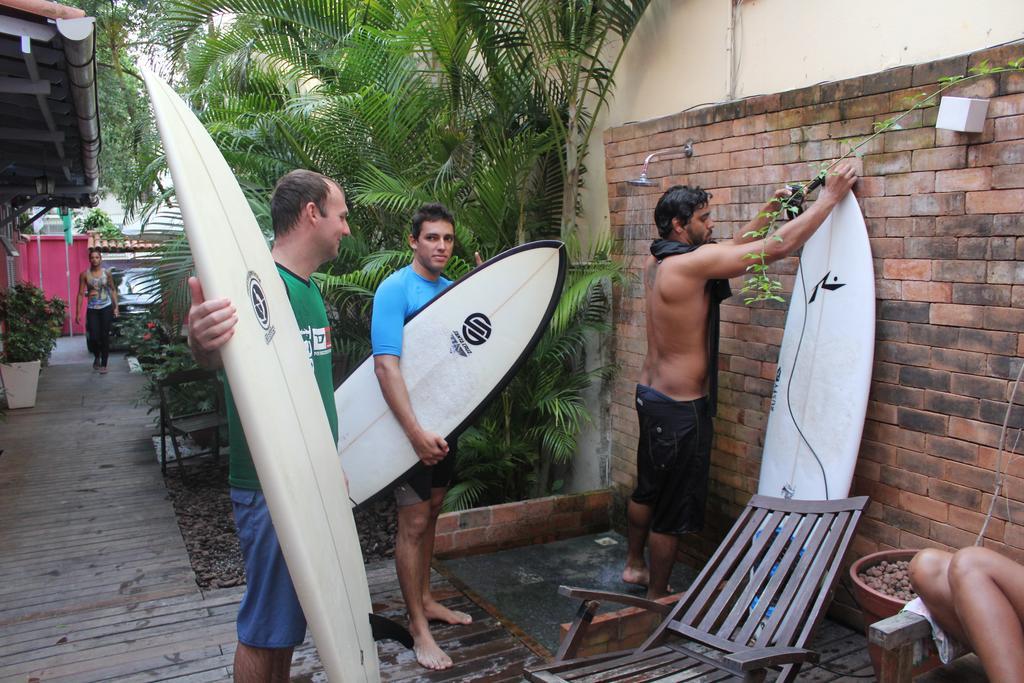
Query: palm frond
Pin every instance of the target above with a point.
(320, 20)
(387, 261)
(393, 194)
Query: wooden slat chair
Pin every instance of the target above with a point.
(754, 606)
(178, 425)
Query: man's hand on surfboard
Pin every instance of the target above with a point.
(838, 183)
(431, 448)
(210, 325)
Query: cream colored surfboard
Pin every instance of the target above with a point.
(458, 352)
(276, 394)
(820, 397)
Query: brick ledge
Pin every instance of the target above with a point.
(527, 522)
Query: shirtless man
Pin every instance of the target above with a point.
(685, 279)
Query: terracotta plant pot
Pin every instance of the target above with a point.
(877, 606)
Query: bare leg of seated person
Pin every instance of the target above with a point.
(413, 569)
(433, 609)
(979, 598)
(929, 575)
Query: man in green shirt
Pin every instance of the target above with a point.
(310, 218)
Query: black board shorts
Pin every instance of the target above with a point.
(416, 487)
(673, 459)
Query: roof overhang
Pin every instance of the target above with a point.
(49, 117)
(121, 246)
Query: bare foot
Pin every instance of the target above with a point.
(636, 576)
(435, 611)
(654, 595)
(429, 655)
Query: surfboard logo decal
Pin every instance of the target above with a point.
(476, 328)
(775, 388)
(259, 305)
(826, 285)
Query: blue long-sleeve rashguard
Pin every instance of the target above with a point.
(400, 295)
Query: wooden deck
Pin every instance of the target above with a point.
(95, 582)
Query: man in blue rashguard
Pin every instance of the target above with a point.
(420, 496)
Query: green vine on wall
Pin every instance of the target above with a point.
(760, 286)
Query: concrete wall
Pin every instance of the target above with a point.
(944, 215)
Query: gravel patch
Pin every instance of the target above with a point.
(202, 504)
(891, 579)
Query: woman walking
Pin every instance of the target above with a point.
(96, 285)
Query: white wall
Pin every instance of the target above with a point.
(116, 212)
(831, 40)
(680, 55)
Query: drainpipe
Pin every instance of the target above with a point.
(79, 39)
(730, 49)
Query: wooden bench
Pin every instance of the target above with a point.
(906, 645)
(175, 424)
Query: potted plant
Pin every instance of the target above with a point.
(881, 586)
(31, 324)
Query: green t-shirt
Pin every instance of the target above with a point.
(310, 314)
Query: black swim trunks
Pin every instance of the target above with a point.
(416, 487)
(673, 459)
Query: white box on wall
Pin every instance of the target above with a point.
(962, 114)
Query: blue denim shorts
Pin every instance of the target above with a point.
(270, 615)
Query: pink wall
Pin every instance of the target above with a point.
(55, 272)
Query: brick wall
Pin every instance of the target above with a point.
(943, 211)
(622, 629)
(526, 522)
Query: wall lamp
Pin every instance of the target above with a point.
(963, 114)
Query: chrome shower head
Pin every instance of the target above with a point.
(642, 181)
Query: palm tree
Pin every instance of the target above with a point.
(485, 105)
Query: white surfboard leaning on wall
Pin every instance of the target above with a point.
(458, 352)
(276, 394)
(823, 377)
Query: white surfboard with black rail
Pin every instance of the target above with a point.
(276, 394)
(458, 352)
(823, 377)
